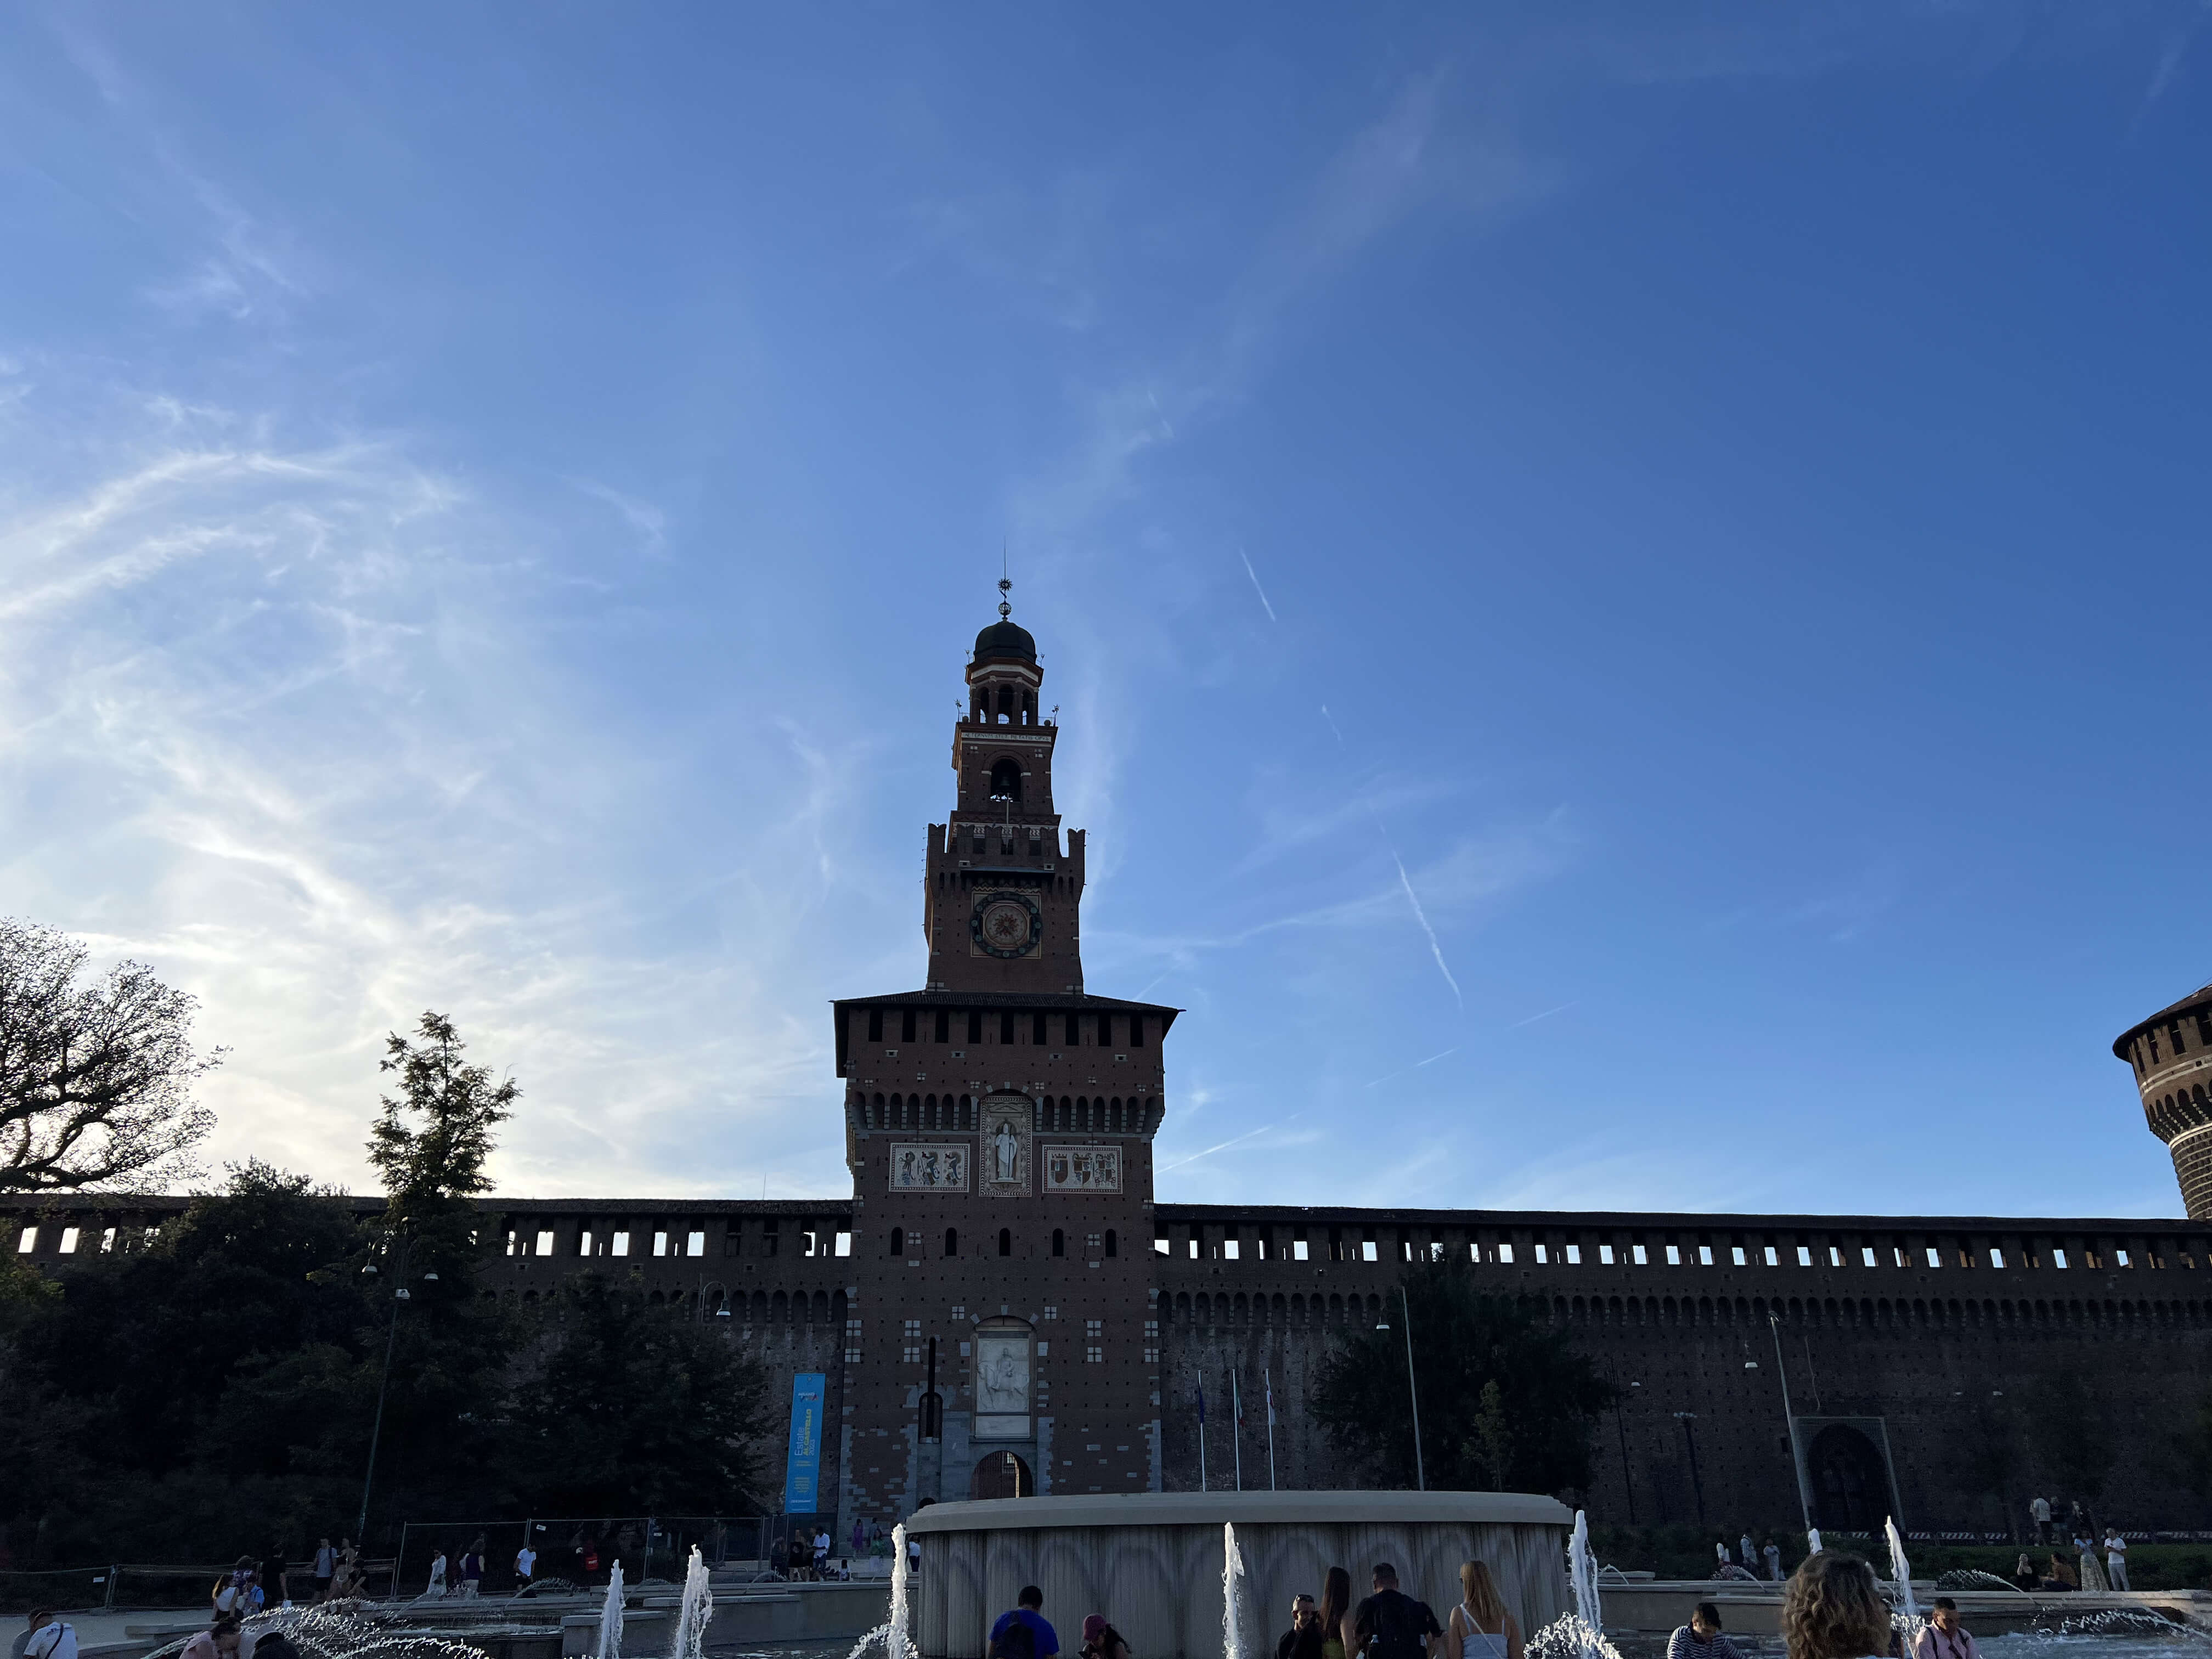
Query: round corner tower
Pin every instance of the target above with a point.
(2171, 1054)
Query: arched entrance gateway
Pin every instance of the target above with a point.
(1850, 1482)
(1002, 1474)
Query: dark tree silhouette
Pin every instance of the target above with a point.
(95, 1076)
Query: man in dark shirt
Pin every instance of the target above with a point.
(1045, 1641)
(1389, 1625)
(1304, 1616)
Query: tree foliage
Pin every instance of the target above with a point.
(95, 1076)
(1505, 1404)
(212, 1389)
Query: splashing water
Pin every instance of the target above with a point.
(347, 1631)
(897, 1642)
(2118, 1622)
(1900, 1570)
(697, 1608)
(1569, 1637)
(1232, 1594)
(1581, 1575)
(1813, 1537)
(610, 1617)
(1973, 1578)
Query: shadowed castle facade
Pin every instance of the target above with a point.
(1002, 1308)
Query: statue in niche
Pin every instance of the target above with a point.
(1006, 1149)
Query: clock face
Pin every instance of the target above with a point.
(1006, 924)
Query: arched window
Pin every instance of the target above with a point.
(1058, 1242)
(1006, 780)
(1112, 1243)
(1005, 1241)
(1006, 703)
(952, 1241)
(898, 1241)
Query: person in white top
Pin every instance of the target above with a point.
(2116, 1558)
(1943, 1637)
(437, 1584)
(526, 1563)
(49, 1638)
(1479, 1627)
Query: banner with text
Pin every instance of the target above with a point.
(802, 1468)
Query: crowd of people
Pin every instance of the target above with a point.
(1386, 1623)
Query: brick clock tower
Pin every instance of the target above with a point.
(1001, 1336)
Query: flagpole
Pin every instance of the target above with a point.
(1236, 1427)
(1201, 1437)
(1268, 1379)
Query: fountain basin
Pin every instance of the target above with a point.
(1151, 1562)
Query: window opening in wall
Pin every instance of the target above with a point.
(1111, 1241)
(2122, 1258)
(1136, 1031)
(1231, 1250)
(1504, 1252)
(1736, 1256)
(875, 1025)
(618, 1242)
(906, 1026)
(1006, 1029)
(1772, 1259)
(584, 1242)
(898, 1241)
(1058, 1242)
(1036, 1029)
(1543, 1255)
(544, 1243)
(1297, 1250)
(1996, 1255)
(1005, 1241)
(1574, 1255)
(944, 1026)
(1162, 1246)
(107, 1240)
(1934, 1256)
(1074, 1030)
(1866, 1252)
(807, 1241)
(976, 1027)
(2091, 1258)
(768, 1236)
(1804, 1256)
(1640, 1258)
(1706, 1256)
(512, 1243)
(1605, 1255)
(26, 1241)
(843, 1244)
(2057, 1256)
(1674, 1255)
(1194, 1246)
(730, 1239)
(69, 1236)
(1367, 1249)
(952, 1241)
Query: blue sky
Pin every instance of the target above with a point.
(1622, 588)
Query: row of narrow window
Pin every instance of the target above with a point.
(2144, 1050)
(947, 1026)
(1298, 1311)
(1104, 1115)
(900, 1239)
(1003, 705)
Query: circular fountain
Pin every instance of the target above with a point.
(1191, 1575)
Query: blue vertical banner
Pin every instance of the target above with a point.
(802, 1468)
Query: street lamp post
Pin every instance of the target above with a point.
(391, 1336)
(1412, 1393)
(1788, 1417)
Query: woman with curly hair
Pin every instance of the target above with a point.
(1831, 1610)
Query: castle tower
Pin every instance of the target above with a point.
(1002, 1339)
(2171, 1053)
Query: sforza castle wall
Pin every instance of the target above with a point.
(1001, 1307)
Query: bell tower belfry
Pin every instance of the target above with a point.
(1002, 910)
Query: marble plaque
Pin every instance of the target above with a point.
(1002, 1386)
(930, 1166)
(1082, 1169)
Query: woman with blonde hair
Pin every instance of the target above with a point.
(1479, 1627)
(1831, 1610)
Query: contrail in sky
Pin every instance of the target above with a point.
(1422, 917)
(1415, 1066)
(1533, 1019)
(1224, 1145)
(1256, 588)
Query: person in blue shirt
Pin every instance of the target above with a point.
(1035, 1639)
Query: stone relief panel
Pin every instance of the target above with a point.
(930, 1166)
(1002, 1385)
(1082, 1169)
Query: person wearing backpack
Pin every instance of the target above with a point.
(1023, 1633)
(1391, 1624)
